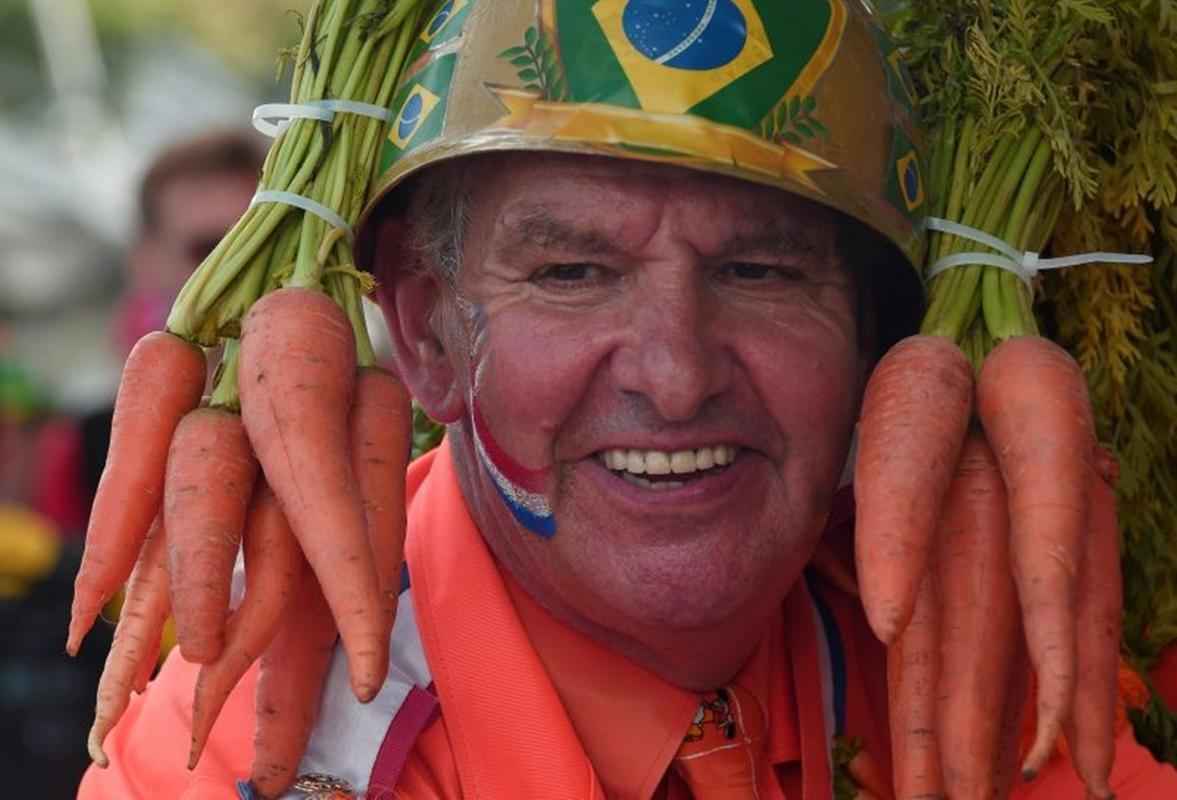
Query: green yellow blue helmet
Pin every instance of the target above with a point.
(808, 96)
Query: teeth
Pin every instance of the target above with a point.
(633, 462)
(660, 462)
(657, 463)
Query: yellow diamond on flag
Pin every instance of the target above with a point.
(414, 111)
(676, 55)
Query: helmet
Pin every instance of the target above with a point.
(809, 96)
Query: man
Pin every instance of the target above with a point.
(649, 354)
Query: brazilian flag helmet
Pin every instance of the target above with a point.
(809, 96)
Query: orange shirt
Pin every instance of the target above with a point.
(522, 716)
(531, 708)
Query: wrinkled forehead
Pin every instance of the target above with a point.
(515, 184)
(538, 198)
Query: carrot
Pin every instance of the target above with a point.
(162, 381)
(211, 473)
(915, 413)
(381, 441)
(865, 772)
(148, 664)
(136, 639)
(912, 675)
(297, 374)
(1091, 731)
(290, 685)
(1013, 718)
(980, 630)
(1032, 401)
(272, 566)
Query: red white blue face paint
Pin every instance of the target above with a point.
(519, 487)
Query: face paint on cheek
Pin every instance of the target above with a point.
(519, 487)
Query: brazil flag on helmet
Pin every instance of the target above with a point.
(808, 95)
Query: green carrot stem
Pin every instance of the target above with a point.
(942, 157)
(225, 394)
(960, 176)
(308, 32)
(996, 207)
(226, 315)
(343, 287)
(952, 289)
(1003, 311)
(326, 55)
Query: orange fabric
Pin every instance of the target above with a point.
(505, 720)
(724, 743)
(631, 722)
(1136, 775)
(630, 744)
(148, 749)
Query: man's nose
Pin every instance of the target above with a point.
(674, 354)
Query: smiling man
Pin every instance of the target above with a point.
(639, 258)
(671, 362)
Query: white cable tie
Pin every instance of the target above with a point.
(306, 204)
(272, 119)
(1026, 265)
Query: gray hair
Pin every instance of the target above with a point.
(439, 215)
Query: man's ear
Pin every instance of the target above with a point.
(409, 295)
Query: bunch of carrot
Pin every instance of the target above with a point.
(298, 456)
(977, 442)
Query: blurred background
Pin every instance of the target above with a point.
(93, 93)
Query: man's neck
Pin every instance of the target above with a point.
(699, 660)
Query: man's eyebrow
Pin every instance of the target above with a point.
(775, 240)
(537, 227)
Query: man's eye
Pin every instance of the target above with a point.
(568, 273)
(749, 271)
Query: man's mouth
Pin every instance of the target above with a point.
(662, 469)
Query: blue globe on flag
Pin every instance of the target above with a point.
(439, 20)
(686, 34)
(410, 116)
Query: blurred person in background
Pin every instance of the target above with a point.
(190, 196)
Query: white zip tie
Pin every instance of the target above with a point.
(1026, 265)
(306, 204)
(273, 119)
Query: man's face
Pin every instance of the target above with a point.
(193, 213)
(614, 322)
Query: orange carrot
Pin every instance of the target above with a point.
(980, 629)
(148, 664)
(915, 413)
(1092, 728)
(297, 373)
(1032, 401)
(211, 472)
(865, 772)
(1013, 718)
(290, 685)
(136, 639)
(381, 440)
(913, 662)
(273, 564)
(162, 381)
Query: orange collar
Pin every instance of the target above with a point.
(522, 725)
(630, 721)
